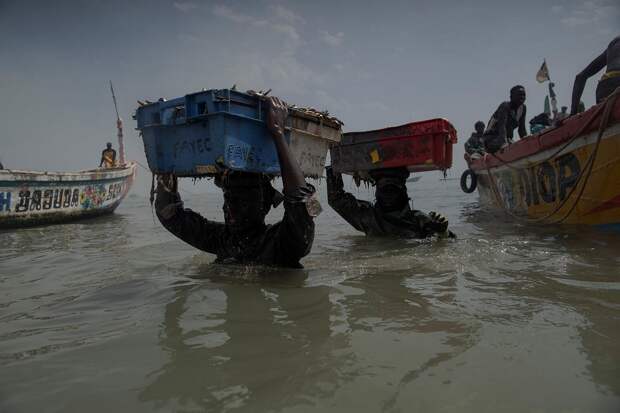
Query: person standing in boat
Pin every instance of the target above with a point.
(475, 143)
(391, 214)
(244, 237)
(108, 157)
(608, 83)
(508, 116)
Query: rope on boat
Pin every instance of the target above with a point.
(586, 172)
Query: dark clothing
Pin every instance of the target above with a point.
(282, 244)
(369, 218)
(505, 120)
(606, 87)
(609, 58)
(475, 143)
(108, 157)
(501, 127)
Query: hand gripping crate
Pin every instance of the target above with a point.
(202, 133)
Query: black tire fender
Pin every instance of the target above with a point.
(474, 181)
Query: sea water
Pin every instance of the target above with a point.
(116, 314)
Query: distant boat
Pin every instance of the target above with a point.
(567, 174)
(29, 198)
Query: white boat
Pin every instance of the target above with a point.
(29, 198)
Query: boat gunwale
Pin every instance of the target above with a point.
(549, 139)
(16, 175)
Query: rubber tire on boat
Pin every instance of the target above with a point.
(474, 181)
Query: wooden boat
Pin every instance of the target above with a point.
(567, 174)
(30, 198)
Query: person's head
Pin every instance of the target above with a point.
(248, 197)
(564, 109)
(479, 126)
(517, 95)
(391, 188)
(108, 145)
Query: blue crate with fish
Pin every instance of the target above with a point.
(203, 133)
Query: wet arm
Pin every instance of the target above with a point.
(353, 211)
(580, 80)
(292, 176)
(185, 223)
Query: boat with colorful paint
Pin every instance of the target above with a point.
(29, 198)
(567, 174)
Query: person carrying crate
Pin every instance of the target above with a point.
(391, 214)
(244, 237)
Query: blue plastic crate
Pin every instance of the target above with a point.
(202, 133)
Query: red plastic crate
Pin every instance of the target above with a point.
(418, 146)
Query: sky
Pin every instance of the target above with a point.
(373, 64)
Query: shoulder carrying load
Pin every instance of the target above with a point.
(417, 146)
(204, 133)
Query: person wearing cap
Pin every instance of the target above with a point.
(244, 237)
(391, 214)
(508, 116)
(108, 157)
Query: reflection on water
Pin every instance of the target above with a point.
(114, 313)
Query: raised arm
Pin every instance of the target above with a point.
(185, 223)
(580, 80)
(292, 177)
(354, 211)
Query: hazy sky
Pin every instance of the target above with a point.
(372, 64)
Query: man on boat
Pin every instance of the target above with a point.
(610, 80)
(391, 214)
(475, 143)
(508, 116)
(244, 237)
(108, 157)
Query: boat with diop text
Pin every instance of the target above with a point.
(566, 174)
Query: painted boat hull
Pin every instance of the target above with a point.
(29, 198)
(569, 174)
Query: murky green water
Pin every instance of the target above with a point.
(115, 314)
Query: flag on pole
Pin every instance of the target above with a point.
(543, 73)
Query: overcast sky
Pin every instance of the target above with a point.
(371, 63)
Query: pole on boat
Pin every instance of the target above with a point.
(119, 127)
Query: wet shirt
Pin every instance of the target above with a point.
(282, 244)
(505, 120)
(475, 143)
(613, 56)
(369, 219)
